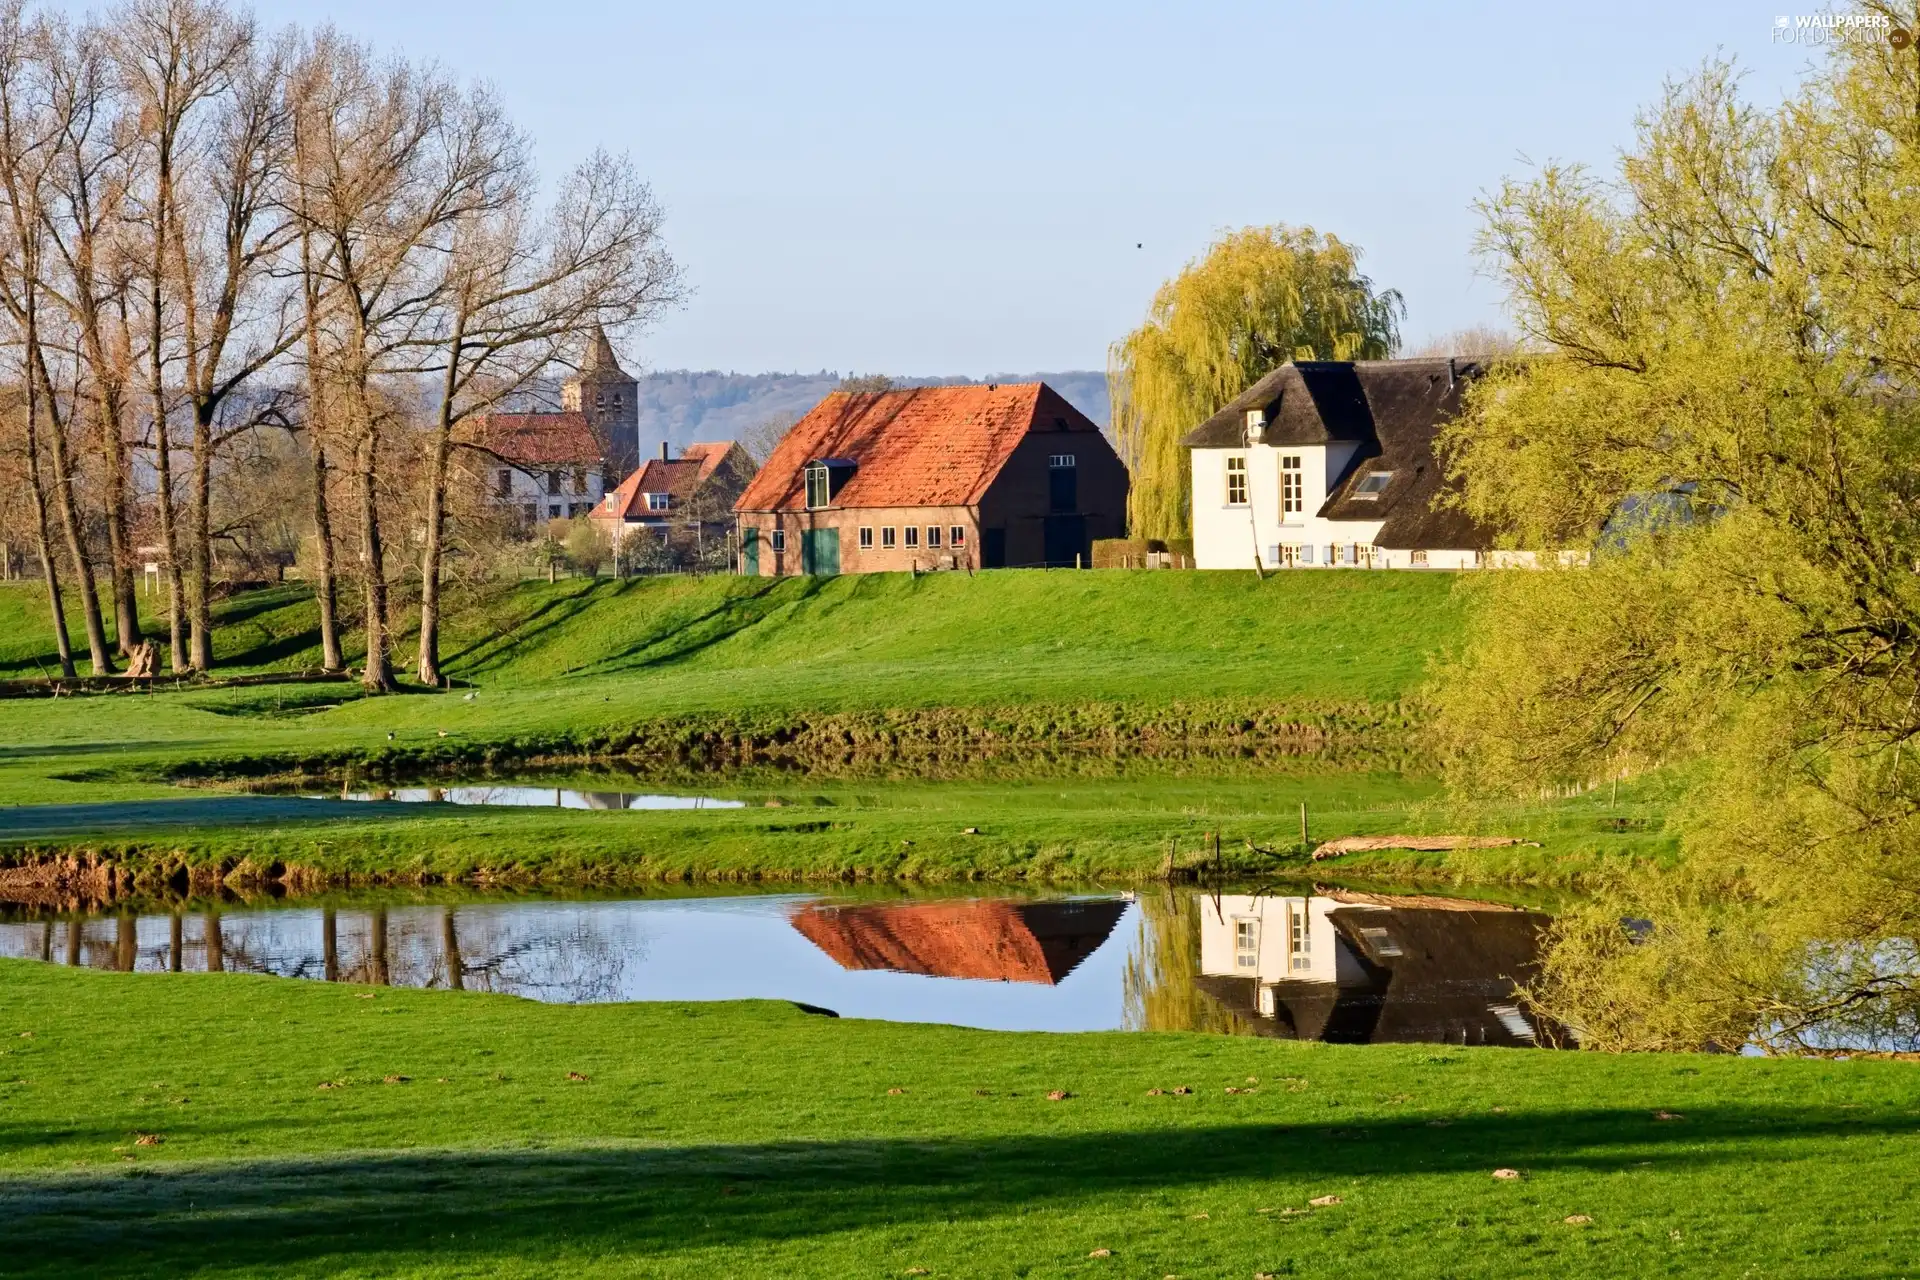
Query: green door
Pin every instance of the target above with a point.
(750, 552)
(820, 552)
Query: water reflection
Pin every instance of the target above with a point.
(531, 797)
(1338, 966)
(1039, 942)
(1331, 966)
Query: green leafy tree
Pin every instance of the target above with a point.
(587, 546)
(1723, 420)
(1259, 297)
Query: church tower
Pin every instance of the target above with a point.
(610, 399)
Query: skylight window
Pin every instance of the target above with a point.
(1372, 484)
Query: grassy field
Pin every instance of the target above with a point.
(305, 1129)
(836, 672)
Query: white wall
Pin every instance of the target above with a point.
(531, 487)
(1228, 537)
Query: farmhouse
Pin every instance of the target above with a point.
(684, 504)
(989, 477)
(1331, 464)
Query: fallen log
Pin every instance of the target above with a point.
(1416, 844)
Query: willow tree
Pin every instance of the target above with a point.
(1259, 297)
(1725, 416)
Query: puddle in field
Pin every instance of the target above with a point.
(1333, 966)
(526, 796)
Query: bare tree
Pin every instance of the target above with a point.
(38, 120)
(213, 116)
(517, 292)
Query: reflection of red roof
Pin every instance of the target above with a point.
(678, 476)
(998, 941)
(538, 439)
(922, 447)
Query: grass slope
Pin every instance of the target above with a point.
(754, 1139)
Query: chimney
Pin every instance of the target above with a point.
(663, 451)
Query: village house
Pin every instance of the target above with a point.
(556, 465)
(988, 477)
(683, 505)
(541, 466)
(1331, 464)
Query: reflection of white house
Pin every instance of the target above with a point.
(1357, 968)
(1331, 464)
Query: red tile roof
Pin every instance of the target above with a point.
(921, 447)
(538, 439)
(679, 476)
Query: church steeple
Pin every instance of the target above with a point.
(609, 398)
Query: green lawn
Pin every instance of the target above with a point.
(849, 669)
(754, 1139)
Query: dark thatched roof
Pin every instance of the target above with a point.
(1392, 409)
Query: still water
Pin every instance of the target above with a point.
(533, 797)
(1333, 966)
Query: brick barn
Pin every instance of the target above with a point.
(973, 477)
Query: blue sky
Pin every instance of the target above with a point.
(933, 188)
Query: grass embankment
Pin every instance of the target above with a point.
(753, 1139)
(846, 674)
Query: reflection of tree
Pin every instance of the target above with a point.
(1676, 960)
(584, 962)
(1162, 988)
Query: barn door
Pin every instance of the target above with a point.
(750, 552)
(820, 552)
(1065, 538)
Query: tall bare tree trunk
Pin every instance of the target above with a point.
(113, 453)
(67, 503)
(437, 512)
(377, 677)
(43, 533)
(200, 590)
(326, 590)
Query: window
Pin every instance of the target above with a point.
(579, 479)
(616, 402)
(1063, 483)
(1290, 486)
(599, 399)
(1419, 559)
(886, 537)
(818, 489)
(1236, 482)
(1299, 940)
(553, 511)
(1246, 944)
(1306, 555)
(611, 500)
(1256, 425)
(659, 501)
(1372, 484)
(957, 536)
(553, 483)
(503, 483)
(1350, 553)
(530, 511)
(933, 536)
(778, 538)
(866, 539)
(913, 536)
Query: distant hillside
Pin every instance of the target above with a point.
(685, 405)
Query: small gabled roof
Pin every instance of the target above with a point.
(917, 447)
(537, 439)
(681, 477)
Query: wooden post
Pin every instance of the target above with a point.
(1303, 824)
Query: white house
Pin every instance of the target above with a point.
(1331, 464)
(541, 466)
